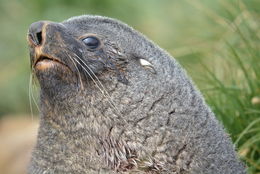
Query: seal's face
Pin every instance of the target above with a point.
(70, 53)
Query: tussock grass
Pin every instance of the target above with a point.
(231, 83)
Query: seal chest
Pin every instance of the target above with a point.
(112, 101)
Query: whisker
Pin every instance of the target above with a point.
(30, 100)
(92, 74)
(78, 72)
(105, 94)
(31, 97)
(32, 94)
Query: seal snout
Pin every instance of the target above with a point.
(40, 36)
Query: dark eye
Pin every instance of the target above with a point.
(92, 42)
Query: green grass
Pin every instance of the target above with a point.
(231, 83)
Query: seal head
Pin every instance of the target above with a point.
(64, 55)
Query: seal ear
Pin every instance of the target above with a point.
(147, 65)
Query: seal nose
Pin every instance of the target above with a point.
(35, 32)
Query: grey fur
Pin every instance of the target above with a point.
(157, 121)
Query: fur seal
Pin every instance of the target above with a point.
(112, 101)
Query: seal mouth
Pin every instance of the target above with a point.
(44, 62)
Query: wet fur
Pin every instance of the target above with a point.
(138, 122)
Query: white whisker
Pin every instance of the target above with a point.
(105, 94)
(79, 75)
(30, 100)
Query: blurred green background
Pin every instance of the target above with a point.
(217, 42)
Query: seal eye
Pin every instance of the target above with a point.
(91, 42)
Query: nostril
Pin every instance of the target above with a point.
(35, 32)
(39, 37)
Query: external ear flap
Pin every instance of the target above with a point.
(147, 65)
